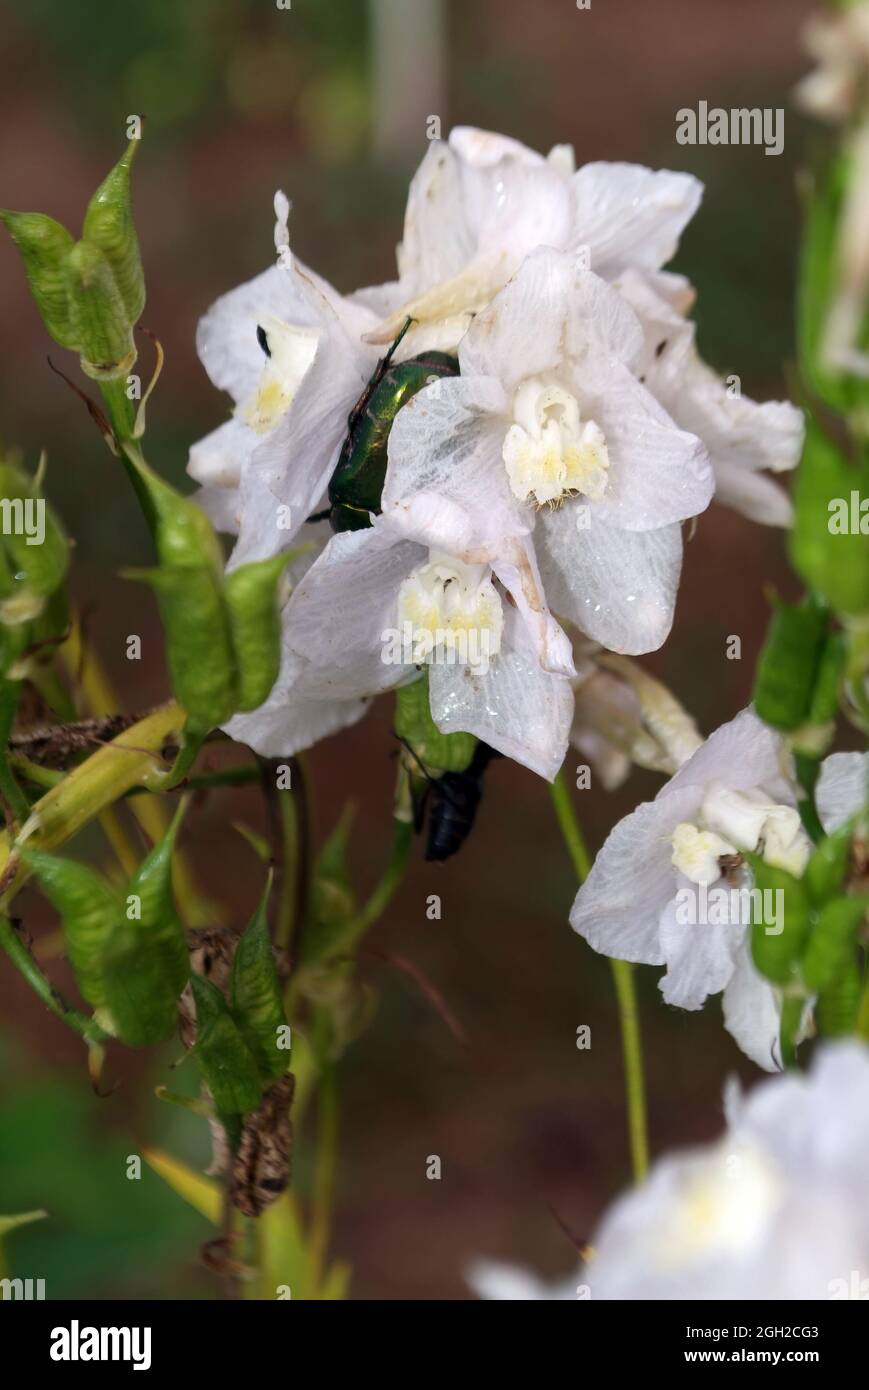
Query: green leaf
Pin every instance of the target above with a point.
(228, 1067)
(776, 944)
(257, 1006)
(414, 725)
(160, 927)
(835, 562)
(789, 662)
(832, 941)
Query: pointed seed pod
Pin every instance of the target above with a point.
(256, 1002)
(44, 246)
(108, 225)
(255, 622)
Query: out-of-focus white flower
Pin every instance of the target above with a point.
(842, 788)
(375, 606)
(665, 888)
(492, 1280)
(839, 43)
(624, 717)
(778, 1208)
(289, 350)
(481, 202)
(548, 449)
(744, 438)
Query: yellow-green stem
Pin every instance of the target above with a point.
(623, 978)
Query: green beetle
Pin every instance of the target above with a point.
(356, 486)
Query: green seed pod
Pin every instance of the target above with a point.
(108, 225)
(100, 325)
(183, 534)
(776, 946)
(255, 622)
(159, 924)
(32, 536)
(793, 1007)
(255, 993)
(828, 680)
(45, 245)
(836, 1009)
(830, 555)
(832, 941)
(198, 643)
(788, 664)
(91, 910)
(414, 726)
(229, 1070)
(825, 871)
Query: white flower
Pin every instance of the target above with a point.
(842, 788)
(643, 902)
(548, 450)
(374, 607)
(492, 1280)
(289, 351)
(743, 437)
(479, 204)
(778, 1208)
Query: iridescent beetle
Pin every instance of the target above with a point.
(356, 486)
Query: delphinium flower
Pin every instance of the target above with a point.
(481, 202)
(289, 350)
(842, 788)
(644, 897)
(778, 1208)
(547, 446)
(376, 608)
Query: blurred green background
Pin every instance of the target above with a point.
(327, 99)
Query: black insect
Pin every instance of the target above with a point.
(451, 801)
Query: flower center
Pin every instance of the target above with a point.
(289, 352)
(453, 610)
(547, 451)
(731, 821)
(723, 1207)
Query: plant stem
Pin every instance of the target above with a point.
(9, 788)
(623, 978)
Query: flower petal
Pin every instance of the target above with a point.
(751, 1013)
(632, 880)
(842, 788)
(743, 754)
(517, 708)
(699, 955)
(631, 216)
(619, 587)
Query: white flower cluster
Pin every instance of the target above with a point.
(534, 492)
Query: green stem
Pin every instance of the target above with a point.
(9, 788)
(862, 1025)
(24, 962)
(623, 978)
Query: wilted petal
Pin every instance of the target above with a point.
(619, 587)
